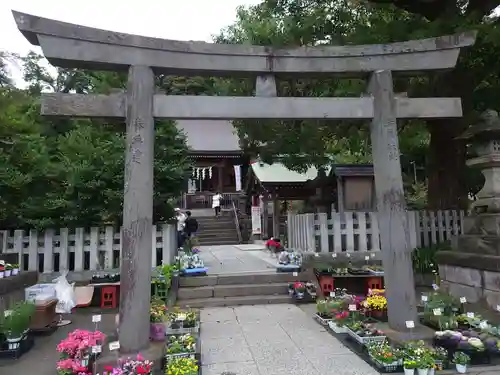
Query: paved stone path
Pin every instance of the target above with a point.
(225, 259)
(272, 340)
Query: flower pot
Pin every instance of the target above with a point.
(7, 273)
(423, 371)
(157, 331)
(409, 371)
(13, 342)
(432, 371)
(299, 295)
(461, 369)
(1, 274)
(15, 271)
(84, 362)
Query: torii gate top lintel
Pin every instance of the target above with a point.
(62, 44)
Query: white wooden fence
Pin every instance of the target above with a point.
(80, 249)
(359, 231)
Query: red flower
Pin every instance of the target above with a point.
(142, 370)
(108, 368)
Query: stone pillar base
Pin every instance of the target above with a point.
(473, 276)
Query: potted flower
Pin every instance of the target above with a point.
(384, 356)
(425, 361)
(8, 270)
(157, 313)
(15, 269)
(440, 356)
(461, 361)
(300, 289)
(409, 366)
(339, 322)
(377, 306)
(182, 366)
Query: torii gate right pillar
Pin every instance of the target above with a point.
(391, 206)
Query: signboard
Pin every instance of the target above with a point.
(256, 220)
(237, 177)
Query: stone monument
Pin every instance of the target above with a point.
(472, 269)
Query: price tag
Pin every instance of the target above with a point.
(483, 324)
(181, 317)
(372, 255)
(334, 255)
(463, 299)
(332, 294)
(437, 312)
(115, 345)
(425, 298)
(498, 307)
(470, 315)
(295, 274)
(367, 258)
(352, 308)
(410, 324)
(96, 349)
(7, 313)
(348, 255)
(96, 318)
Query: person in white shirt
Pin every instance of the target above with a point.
(216, 201)
(181, 218)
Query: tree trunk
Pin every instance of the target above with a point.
(446, 182)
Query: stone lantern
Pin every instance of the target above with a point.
(471, 268)
(485, 138)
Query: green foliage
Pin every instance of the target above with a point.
(57, 173)
(424, 258)
(289, 23)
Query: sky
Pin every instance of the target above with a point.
(168, 19)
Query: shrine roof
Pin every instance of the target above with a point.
(210, 136)
(278, 173)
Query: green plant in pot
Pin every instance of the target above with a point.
(14, 327)
(8, 270)
(15, 269)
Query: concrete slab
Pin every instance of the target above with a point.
(281, 340)
(251, 247)
(228, 259)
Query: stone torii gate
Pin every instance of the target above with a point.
(73, 46)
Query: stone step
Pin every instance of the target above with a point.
(218, 243)
(222, 291)
(239, 279)
(233, 301)
(220, 236)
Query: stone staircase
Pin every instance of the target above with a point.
(217, 230)
(234, 290)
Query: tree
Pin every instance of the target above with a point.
(56, 173)
(315, 22)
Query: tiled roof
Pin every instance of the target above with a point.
(210, 135)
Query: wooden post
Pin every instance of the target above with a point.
(340, 194)
(265, 215)
(392, 217)
(276, 216)
(137, 212)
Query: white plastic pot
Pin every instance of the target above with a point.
(7, 273)
(2, 274)
(461, 369)
(15, 271)
(409, 371)
(423, 371)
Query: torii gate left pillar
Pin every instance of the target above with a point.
(136, 239)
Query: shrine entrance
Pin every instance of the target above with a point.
(73, 46)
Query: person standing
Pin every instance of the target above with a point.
(191, 225)
(181, 218)
(216, 201)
